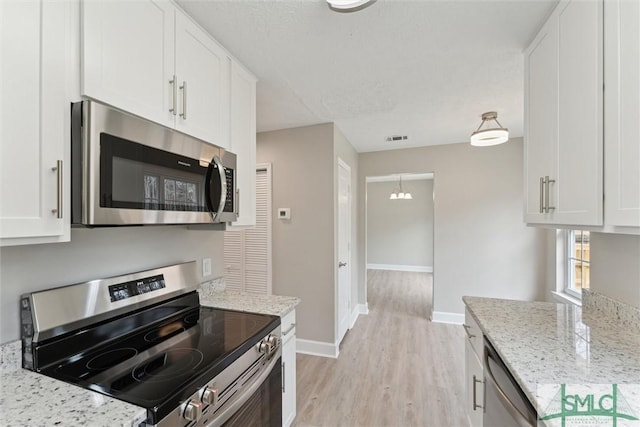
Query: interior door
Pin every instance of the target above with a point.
(344, 251)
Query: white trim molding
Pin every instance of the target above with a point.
(357, 311)
(392, 267)
(446, 317)
(317, 348)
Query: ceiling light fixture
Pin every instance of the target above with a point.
(489, 135)
(349, 5)
(399, 193)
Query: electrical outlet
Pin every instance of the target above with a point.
(206, 267)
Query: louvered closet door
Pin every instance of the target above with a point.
(247, 252)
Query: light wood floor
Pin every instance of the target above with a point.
(396, 368)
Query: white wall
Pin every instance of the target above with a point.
(481, 245)
(615, 267)
(97, 253)
(400, 232)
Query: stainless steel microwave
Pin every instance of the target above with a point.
(128, 171)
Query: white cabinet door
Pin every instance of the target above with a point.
(243, 141)
(202, 70)
(288, 369)
(622, 112)
(34, 126)
(128, 56)
(474, 386)
(579, 183)
(563, 130)
(541, 119)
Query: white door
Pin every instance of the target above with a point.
(128, 56)
(202, 70)
(247, 252)
(33, 135)
(344, 251)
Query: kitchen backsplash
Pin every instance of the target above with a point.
(594, 303)
(211, 287)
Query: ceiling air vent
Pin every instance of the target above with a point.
(396, 138)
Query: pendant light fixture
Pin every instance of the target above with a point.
(399, 193)
(489, 135)
(349, 5)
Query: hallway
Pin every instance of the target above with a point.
(396, 368)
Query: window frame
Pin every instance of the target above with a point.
(569, 259)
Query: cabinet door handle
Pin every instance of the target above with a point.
(183, 88)
(174, 91)
(546, 194)
(475, 394)
(58, 168)
(466, 329)
(284, 370)
(541, 195)
(291, 328)
(237, 202)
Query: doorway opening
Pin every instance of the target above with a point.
(399, 239)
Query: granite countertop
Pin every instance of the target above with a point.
(549, 343)
(244, 301)
(31, 399)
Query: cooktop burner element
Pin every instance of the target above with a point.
(110, 358)
(170, 364)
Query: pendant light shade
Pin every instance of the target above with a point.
(486, 134)
(399, 193)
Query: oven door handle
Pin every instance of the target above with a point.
(233, 405)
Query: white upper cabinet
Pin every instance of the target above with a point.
(243, 141)
(148, 58)
(35, 78)
(128, 56)
(563, 115)
(202, 73)
(622, 112)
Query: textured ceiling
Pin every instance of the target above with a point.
(426, 69)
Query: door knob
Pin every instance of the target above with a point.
(342, 264)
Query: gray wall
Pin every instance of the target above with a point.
(400, 232)
(303, 247)
(481, 245)
(97, 253)
(615, 266)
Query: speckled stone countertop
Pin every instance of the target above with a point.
(549, 343)
(31, 399)
(243, 301)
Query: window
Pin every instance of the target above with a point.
(578, 255)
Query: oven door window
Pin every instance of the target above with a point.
(135, 176)
(264, 407)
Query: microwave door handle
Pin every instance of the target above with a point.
(215, 213)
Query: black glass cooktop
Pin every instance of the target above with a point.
(161, 364)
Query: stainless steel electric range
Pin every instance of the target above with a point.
(144, 338)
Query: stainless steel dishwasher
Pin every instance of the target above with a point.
(504, 401)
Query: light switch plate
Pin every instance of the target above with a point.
(206, 267)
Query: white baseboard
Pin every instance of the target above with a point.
(416, 268)
(446, 317)
(317, 348)
(357, 311)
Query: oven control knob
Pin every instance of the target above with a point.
(210, 396)
(193, 411)
(263, 347)
(272, 340)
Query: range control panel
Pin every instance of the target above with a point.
(136, 287)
